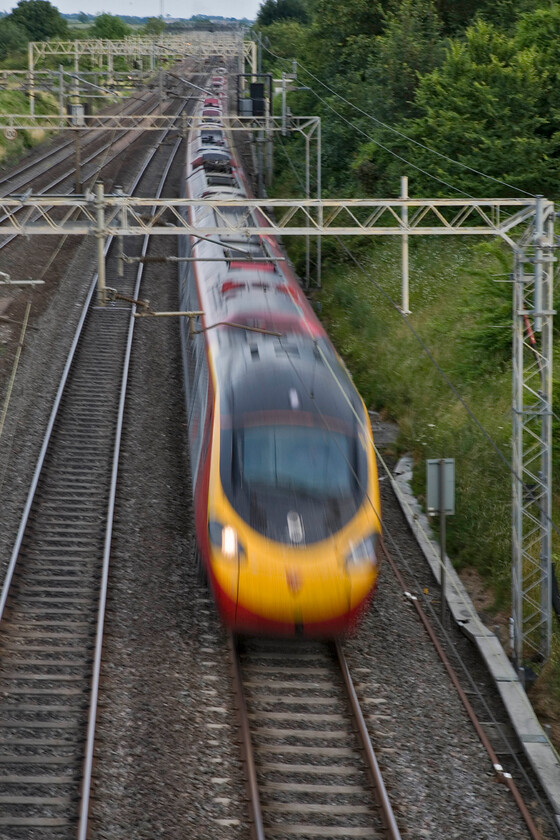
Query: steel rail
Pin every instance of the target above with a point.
(96, 671)
(46, 441)
(24, 166)
(501, 774)
(51, 426)
(56, 405)
(44, 191)
(339, 674)
(246, 745)
(380, 791)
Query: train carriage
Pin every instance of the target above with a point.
(284, 477)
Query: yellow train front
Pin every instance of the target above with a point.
(293, 498)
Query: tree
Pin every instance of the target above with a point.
(541, 30)
(154, 26)
(39, 19)
(410, 46)
(110, 27)
(286, 37)
(272, 11)
(483, 108)
(13, 38)
(354, 17)
(456, 15)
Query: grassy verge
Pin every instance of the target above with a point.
(14, 102)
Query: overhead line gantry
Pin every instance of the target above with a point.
(525, 224)
(154, 49)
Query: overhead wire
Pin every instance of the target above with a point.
(388, 149)
(417, 142)
(422, 344)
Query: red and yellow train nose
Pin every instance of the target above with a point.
(318, 590)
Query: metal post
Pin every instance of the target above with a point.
(100, 234)
(404, 247)
(61, 89)
(284, 132)
(254, 59)
(307, 239)
(76, 82)
(77, 161)
(268, 133)
(546, 433)
(76, 117)
(30, 64)
(120, 258)
(442, 536)
(538, 237)
(319, 188)
(260, 164)
(517, 465)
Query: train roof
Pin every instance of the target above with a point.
(296, 379)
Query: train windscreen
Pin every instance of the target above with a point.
(292, 443)
(300, 459)
(268, 471)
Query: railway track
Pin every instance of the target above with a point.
(18, 798)
(488, 718)
(311, 769)
(52, 602)
(98, 158)
(25, 173)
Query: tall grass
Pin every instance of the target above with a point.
(15, 102)
(461, 302)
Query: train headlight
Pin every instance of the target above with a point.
(362, 553)
(225, 538)
(229, 542)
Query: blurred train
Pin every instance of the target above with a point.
(285, 485)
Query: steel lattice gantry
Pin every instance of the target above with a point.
(532, 438)
(201, 45)
(307, 126)
(526, 224)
